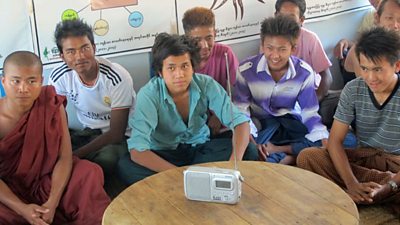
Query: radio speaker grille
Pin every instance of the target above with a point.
(198, 185)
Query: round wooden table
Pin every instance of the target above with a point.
(271, 194)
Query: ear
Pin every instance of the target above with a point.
(215, 33)
(262, 42)
(397, 66)
(94, 48)
(376, 18)
(160, 74)
(302, 18)
(62, 56)
(294, 47)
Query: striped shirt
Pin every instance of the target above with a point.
(113, 89)
(258, 93)
(377, 126)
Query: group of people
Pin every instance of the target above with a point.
(50, 174)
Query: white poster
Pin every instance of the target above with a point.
(120, 26)
(234, 18)
(318, 10)
(238, 19)
(129, 26)
(15, 28)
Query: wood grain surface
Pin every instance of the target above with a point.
(271, 194)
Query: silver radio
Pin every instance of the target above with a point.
(213, 184)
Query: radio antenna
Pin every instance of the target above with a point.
(231, 109)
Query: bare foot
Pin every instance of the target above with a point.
(271, 148)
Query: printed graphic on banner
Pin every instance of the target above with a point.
(16, 35)
(106, 4)
(120, 26)
(238, 19)
(234, 18)
(317, 8)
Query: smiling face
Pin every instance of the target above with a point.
(177, 72)
(22, 84)
(79, 54)
(205, 37)
(380, 75)
(277, 50)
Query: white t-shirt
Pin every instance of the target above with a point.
(112, 90)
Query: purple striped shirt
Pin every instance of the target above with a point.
(258, 93)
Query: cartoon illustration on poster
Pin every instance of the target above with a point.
(120, 26)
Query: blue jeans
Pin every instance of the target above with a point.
(214, 150)
(350, 141)
(284, 130)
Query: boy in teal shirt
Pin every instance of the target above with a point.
(169, 126)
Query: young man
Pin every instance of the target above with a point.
(388, 16)
(367, 23)
(101, 92)
(169, 124)
(369, 174)
(308, 48)
(270, 85)
(199, 23)
(40, 181)
(342, 47)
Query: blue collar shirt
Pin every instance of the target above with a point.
(157, 125)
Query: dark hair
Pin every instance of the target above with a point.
(299, 3)
(280, 26)
(166, 45)
(382, 6)
(23, 59)
(197, 17)
(72, 28)
(377, 43)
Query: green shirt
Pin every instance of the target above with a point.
(157, 125)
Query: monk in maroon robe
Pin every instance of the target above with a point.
(40, 181)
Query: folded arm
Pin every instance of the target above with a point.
(30, 212)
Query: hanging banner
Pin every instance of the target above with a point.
(130, 26)
(241, 19)
(320, 10)
(120, 26)
(235, 19)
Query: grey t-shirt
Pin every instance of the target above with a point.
(377, 126)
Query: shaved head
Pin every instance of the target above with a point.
(22, 59)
